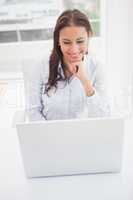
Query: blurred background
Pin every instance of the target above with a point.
(26, 32)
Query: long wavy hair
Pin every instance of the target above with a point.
(67, 18)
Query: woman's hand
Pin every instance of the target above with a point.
(77, 68)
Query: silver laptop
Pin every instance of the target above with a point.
(66, 147)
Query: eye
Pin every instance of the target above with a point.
(67, 42)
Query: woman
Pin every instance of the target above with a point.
(73, 86)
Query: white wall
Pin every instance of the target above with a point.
(119, 39)
(117, 42)
(130, 45)
(130, 34)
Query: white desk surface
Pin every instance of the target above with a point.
(15, 186)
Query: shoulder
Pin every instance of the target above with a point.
(94, 62)
(44, 67)
(94, 65)
(97, 71)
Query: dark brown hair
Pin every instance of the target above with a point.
(67, 18)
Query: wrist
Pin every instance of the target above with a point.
(90, 93)
(88, 88)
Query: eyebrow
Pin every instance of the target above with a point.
(80, 38)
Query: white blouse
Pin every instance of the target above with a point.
(69, 100)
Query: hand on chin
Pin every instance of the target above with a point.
(73, 66)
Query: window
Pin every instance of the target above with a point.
(36, 34)
(8, 36)
(91, 8)
(34, 20)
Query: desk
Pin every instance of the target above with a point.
(15, 186)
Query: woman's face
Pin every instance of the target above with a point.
(73, 43)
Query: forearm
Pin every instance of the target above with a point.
(89, 91)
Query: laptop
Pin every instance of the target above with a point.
(68, 147)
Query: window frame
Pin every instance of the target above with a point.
(98, 42)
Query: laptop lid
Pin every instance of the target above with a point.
(65, 147)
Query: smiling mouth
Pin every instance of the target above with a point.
(76, 55)
(75, 58)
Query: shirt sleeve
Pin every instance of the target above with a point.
(33, 84)
(99, 105)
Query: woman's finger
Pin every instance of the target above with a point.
(77, 68)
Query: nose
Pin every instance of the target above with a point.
(74, 49)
